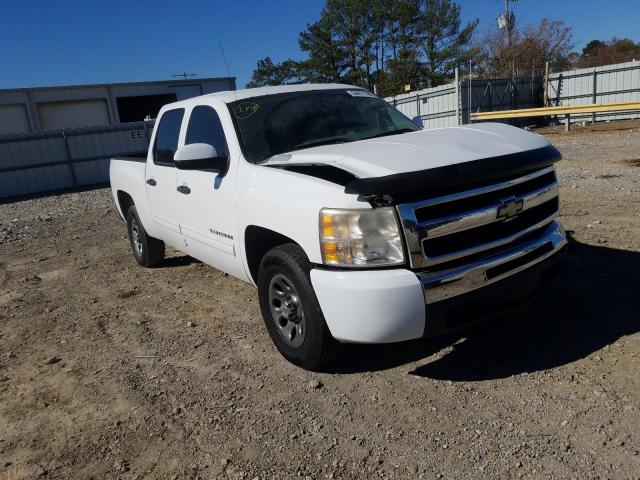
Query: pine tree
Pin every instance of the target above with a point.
(383, 43)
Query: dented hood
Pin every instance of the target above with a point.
(428, 160)
(416, 151)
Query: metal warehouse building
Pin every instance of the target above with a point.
(54, 138)
(50, 108)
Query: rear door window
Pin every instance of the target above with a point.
(205, 127)
(166, 142)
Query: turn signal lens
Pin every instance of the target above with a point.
(360, 238)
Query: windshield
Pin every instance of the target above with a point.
(274, 124)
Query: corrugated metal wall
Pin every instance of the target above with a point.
(438, 106)
(610, 83)
(68, 158)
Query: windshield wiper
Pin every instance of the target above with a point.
(392, 132)
(328, 141)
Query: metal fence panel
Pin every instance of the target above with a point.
(437, 106)
(447, 106)
(441, 107)
(488, 95)
(61, 159)
(19, 154)
(606, 84)
(35, 180)
(93, 172)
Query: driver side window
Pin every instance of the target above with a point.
(205, 127)
(166, 142)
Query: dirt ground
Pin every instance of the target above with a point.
(109, 370)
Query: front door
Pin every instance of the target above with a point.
(160, 178)
(206, 201)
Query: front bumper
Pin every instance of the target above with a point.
(443, 285)
(375, 306)
(498, 299)
(383, 306)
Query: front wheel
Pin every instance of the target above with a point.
(291, 311)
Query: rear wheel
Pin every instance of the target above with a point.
(148, 251)
(291, 311)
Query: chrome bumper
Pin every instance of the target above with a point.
(442, 285)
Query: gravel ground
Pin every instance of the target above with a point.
(108, 370)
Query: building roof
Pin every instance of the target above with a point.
(188, 81)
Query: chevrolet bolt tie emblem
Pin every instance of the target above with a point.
(509, 208)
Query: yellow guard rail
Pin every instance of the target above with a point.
(566, 110)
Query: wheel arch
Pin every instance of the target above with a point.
(258, 241)
(125, 201)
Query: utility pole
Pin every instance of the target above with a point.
(507, 21)
(185, 75)
(470, 111)
(457, 97)
(546, 84)
(510, 24)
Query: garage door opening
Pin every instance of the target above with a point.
(74, 113)
(136, 109)
(13, 118)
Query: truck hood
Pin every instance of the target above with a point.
(416, 151)
(388, 169)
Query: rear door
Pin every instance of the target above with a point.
(207, 213)
(161, 177)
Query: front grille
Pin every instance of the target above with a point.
(466, 239)
(447, 230)
(461, 204)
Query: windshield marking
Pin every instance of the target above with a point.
(245, 110)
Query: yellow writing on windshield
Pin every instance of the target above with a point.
(245, 110)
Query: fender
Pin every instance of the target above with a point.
(289, 203)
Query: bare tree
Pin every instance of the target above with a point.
(529, 49)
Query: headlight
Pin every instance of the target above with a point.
(353, 238)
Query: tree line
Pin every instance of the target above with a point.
(381, 43)
(616, 50)
(385, 45)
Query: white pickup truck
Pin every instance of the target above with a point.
(355, 225)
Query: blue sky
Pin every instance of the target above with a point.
(62, 42)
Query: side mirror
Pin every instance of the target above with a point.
(200, 156)
(418, 121)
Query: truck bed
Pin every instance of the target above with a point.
(127, 175)
(137, 157)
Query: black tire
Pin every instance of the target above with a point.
(318, 348)
(148, 251)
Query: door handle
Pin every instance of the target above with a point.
(152, 182)
(184, 189)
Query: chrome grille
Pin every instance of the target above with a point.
(480, 221)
